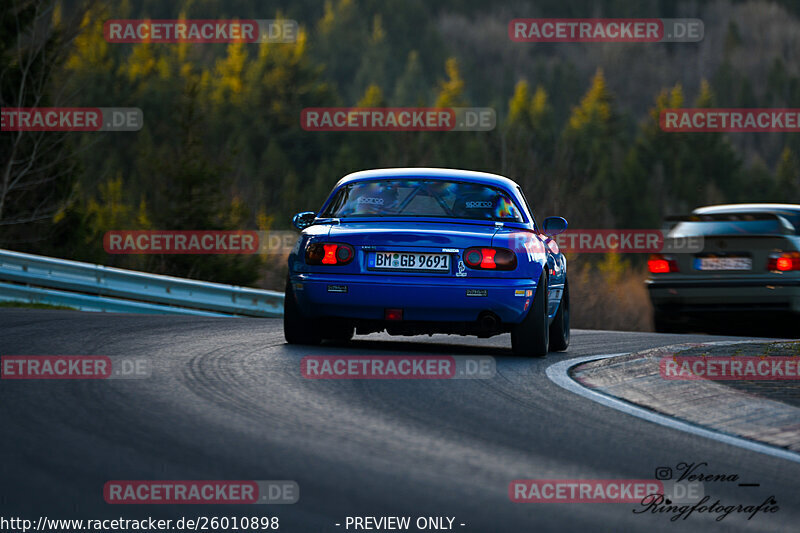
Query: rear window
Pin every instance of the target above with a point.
(737, 224)
(423, 198)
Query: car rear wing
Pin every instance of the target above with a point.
(739, 216)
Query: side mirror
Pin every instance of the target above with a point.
(303, 220)
(554, 225)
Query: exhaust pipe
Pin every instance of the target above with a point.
(488, 322)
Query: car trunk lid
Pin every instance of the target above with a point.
(370, 238)
(725, 256)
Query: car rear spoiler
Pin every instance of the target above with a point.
(743, 216)
(738, 216)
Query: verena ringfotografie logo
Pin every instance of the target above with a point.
(73, 367)
(199, 242)
(398, 119)
(730, 368)
(689, 487)
(730, 120)
(71, 119)
(201, 492)
(200, 31)
(606, 30)
(397, 367)
(583, 490)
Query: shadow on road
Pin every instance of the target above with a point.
(408, 344)
(772, 325)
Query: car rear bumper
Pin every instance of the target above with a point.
(421, 299)
(761, 294)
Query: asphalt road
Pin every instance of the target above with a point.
(227, 401)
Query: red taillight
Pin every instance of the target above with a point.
(344, 253)
(487, 261)
(659, 264)
(473, 257)
(329, 254)
(784, 262)
(490, 258)
(314, 254)
(393, 314)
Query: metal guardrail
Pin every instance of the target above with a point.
(35, 278)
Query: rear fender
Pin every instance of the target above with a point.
(534, 257)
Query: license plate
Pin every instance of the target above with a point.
(723, 263)
(409, 261)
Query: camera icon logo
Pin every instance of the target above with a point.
(663, 473)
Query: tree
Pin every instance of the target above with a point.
(451, 90)
(411, 88)
(36, 168)
(672, 172)
(374, 59)
(716, 164)
(591, 153)
(341, 37)
(654, 168)
(529, 136)
(195, 194)
(788, 177)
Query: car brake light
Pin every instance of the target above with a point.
(660, 264)
(329, 253)
(490, 258)
(784, 262)
(393, 314)
(487, 261)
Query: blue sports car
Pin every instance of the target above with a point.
(420, 251)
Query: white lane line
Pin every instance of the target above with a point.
(559, 374)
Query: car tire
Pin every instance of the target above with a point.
(339, 332)
(664, 323)
(559, 329)
(530, 337)
(298, 328)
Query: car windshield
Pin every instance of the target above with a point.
(737, 224)
(423, 198)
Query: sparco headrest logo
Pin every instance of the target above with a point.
(370, 200)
